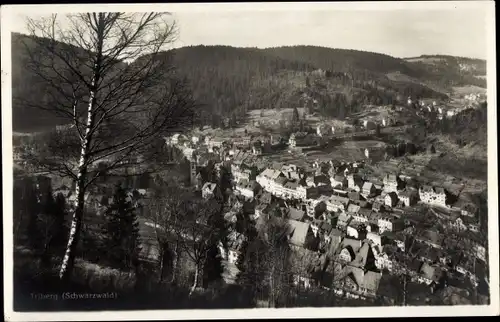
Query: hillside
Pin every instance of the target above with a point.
(227, 82)
(447, 71)
(230, 81)
(27, 87)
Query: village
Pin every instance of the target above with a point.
(351, 232)
(352, 229)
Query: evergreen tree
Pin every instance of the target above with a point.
(31, 203)
(295, 116)
(121, 230)
(253, 269)
(213, 269)
(46, 223)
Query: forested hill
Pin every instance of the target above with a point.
(221, 77)
(342, 60)
(227, 81)
(447, 71)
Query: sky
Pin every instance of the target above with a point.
(399, 33)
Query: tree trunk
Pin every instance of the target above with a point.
(162, 266)
(76, 223)
(174, 262)
(405, 281)
(195, 282)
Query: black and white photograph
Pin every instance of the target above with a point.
(249, 160)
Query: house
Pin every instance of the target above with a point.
(343, 220)
(391, 183)
(391, 199)
(363, 215)
(333, 241)
(265, 198)
(389, 223)
(257, 150)
(369, 125)
(356, 230)
(471, 223)
(297, 232)
(377, 206)
(456, 223)
(354, 182)
(348, 249)
(295, 214)
(355, 196)
(267, 179)
(408, 197)
(306, 192)
(317, 180)
(360, 282)
(466, 205)
(433, 195)
(365, 258)
(195, 139)
(375, 238)
(315, 207)
(353, 209)
(248, 189)
(301, 139)
(479, 252)
(210, 190)
(339, 181)
(178, 139)
(383, 261)
(336, 203)
(368, 189)
(235, 242)
(323, 129)
(465, 266)
(242, 171)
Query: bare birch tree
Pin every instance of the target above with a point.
(107, 74)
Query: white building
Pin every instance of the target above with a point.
(209, 190)
(368, 189)
(433, 195)
(235, 242)
(389, 223)
(246, 188)
(390, 183)
(408, 197)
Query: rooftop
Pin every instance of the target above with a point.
(298, 232)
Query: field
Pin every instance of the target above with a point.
(345, 151)
(399, 77)
(271, 115)
(378, 113)
(470, 89)
(426, 60)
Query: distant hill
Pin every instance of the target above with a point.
(231, 81)
(227, 81)
(448, 71)
(26, 85)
